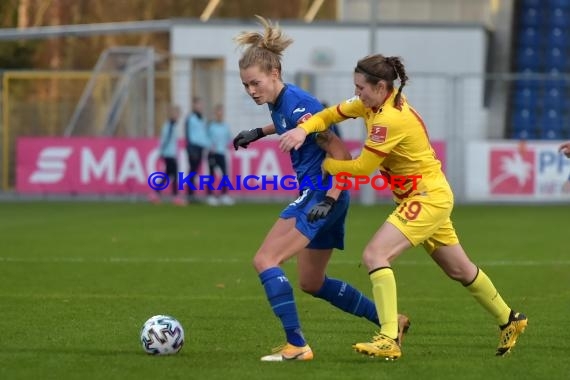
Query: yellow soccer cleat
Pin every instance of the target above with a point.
(381, 346)
(510, 332)
(289, 352)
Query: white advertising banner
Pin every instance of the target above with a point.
(517, 171)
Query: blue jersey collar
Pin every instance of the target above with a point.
(279, 97)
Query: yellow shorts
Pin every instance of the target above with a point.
(425, 219)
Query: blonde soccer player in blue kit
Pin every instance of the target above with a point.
(398, 145)
(311, 226)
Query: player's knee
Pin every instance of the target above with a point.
(463, 272)
(372, 255)
(454, 274)
(265, 259)
(368, 257)
(459, 274)
(261, 263)
(310, 286)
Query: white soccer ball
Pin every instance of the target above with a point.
(162, 335)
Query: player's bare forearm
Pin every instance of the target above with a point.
(333, 145)
(269, 129)
(335, 148)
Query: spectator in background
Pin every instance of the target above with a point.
(168, 152)
(220, 137)
(197, 140)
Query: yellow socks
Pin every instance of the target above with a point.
(385, 299)
(485, 293)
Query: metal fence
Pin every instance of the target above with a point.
(42, 103)
(456, 108)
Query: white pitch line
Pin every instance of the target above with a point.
(67, 297)
(181, 297)
(214, 260)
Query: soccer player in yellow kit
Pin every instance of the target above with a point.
(398, 144)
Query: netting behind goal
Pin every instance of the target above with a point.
(118, 99)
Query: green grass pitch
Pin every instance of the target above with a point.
(77, 280)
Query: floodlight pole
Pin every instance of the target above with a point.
(367, 194)
(313, 10)
(151, 57)
(373, 24)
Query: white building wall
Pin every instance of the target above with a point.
(433, 55)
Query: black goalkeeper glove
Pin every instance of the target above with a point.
(321, 209)
(244, 138)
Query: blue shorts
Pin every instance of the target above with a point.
(324, 233)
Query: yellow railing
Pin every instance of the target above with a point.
(41, 103)
(30, 108)
(5, 129)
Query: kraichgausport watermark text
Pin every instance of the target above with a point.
(344, 181)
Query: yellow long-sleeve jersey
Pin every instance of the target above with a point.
(397, 143)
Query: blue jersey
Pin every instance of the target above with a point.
(167, 147)
(293, 106)
(196, 132)
(220, 137)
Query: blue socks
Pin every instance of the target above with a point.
(349, 299)
(338, 293)
(280, 296)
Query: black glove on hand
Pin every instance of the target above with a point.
(244, 138)
(321, 209)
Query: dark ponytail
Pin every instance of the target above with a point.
(377, 67)
(398, 66)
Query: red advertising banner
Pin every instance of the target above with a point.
(511, 170)
(84, 165)
(123, 166)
